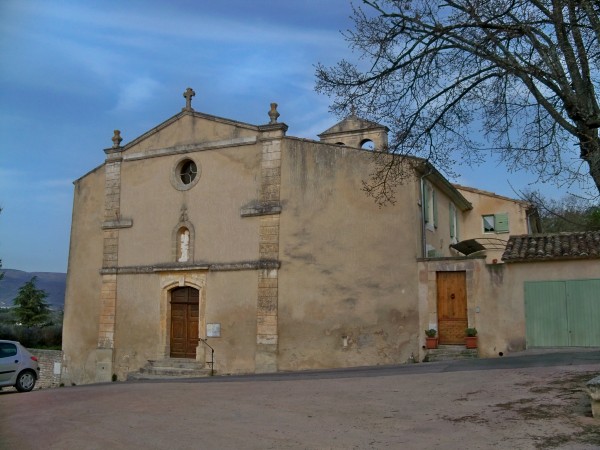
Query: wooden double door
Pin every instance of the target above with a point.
(185, 315)
(562, 313)
(451, 307)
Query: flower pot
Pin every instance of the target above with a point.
(471, 341)
(431, 343)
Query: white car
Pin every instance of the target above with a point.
(18, 367)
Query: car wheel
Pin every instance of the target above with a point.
(25, 381)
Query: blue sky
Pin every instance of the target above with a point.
(73, 71)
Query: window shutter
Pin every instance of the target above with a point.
(425, 203)
(435, 209)
(452, 220)
(501, 222)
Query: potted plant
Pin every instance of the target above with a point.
(471, 338)
(431, 341)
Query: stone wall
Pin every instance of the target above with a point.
(50, 367)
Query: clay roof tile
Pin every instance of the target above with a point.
(552, 246)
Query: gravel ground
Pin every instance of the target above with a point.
(520, 408)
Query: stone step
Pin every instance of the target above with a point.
(171, 368)
(450, 353)
(183, 363)
(164, 376)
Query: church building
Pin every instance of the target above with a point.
(212, 240)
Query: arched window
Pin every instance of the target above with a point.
(367, 144)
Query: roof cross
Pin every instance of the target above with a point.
(188, 94)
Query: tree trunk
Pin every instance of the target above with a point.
(590, 152)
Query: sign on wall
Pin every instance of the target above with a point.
(213, 330)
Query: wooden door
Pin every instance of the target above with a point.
(451, 307)
(562, 313)
(546, 319)
(184, 322)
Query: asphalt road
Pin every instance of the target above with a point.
(523, 401)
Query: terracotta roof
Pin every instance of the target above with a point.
(548, 247)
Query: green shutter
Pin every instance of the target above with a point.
(452, 216)
(425, 203)
(457, 226)
(501, 223)
(435, 209)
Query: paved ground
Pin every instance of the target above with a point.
(526, 401)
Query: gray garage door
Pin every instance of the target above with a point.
(562, 313)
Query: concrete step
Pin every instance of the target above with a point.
(450, 353)
(171, 368)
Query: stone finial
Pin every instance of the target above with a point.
(273, 114)
(188, 94)
(117, 139)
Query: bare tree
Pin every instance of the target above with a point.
(523, 72)
(569, 213)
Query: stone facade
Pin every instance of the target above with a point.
(50, 362)
(292, 265)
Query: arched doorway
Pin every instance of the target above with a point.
(184, 322)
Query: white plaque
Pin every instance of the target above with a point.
(213, 330)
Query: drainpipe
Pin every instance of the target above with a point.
(423, 227)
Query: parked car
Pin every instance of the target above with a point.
(18, 367)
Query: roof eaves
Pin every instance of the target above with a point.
(431, 173)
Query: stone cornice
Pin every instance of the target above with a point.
(115, 224)
(262, 209)
(187, 267)
(114, 154)
(189, 148)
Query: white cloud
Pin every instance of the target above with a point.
(134, 94)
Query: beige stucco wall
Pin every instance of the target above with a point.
(502, 298)
(438, 234)
(143, 312)
(349, 290)
(227, 182)
(495, 296)
(137, 332)
(347, 266)
(82, 307)
(191, 129)
(231, 302)
(495, 304)
(486, 203)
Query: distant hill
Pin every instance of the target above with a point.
(54, 283)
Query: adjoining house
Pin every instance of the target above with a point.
(206, 230)
(559, 279)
